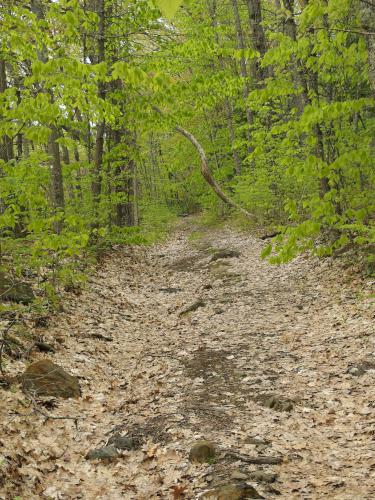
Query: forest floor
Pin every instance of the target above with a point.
(270, 361)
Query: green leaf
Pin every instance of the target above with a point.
(168, 7)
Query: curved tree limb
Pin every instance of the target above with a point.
(205, 169)
(207, 174)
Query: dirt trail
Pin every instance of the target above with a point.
(260, 367)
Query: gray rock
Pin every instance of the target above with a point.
(263, 477)
(225, 254)
(237, 474)
(361, 368)
(121, 442)
(105, 453)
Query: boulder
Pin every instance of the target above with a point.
(44, 378)
(15, 291)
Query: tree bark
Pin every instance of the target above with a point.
(58, 201)
(100, 129)
(243, 70)
(259, 42)
(227, 105)
(368, 23)
(206, 172)
(6, 143)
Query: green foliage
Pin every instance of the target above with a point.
(291, 140)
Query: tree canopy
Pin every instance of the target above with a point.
(98, 97)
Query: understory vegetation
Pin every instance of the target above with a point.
(99, 97)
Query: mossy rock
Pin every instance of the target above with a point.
(44, 378)
(15, 291)
(202, 451)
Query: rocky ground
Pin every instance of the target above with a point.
(199, 339)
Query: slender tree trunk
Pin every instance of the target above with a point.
(6, 143)
(227, 105)
(258, 38)
(368, 22)
(57, 178)
(100, 129)
(303, 78)
(243, 70)
(58, 201)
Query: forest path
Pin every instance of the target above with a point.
(259, 367)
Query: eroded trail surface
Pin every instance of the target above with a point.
(179, 343)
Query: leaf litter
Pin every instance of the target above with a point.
(167, 380)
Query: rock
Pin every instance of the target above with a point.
(202, 451)
(237, 474)
(224, 254)
(170, 289)
(105, 453)
(262, 477)
(100, 336)
(278, 404)
(356, 371)
(240, 491)
(121, 442)
(361, 368)
(44, 378)
(44, 347)
(193, 307)
(257, 441)
(15, 291)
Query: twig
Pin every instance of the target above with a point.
(357, 32)
(255, 460)
(37, 409)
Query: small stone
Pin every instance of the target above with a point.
(237, 474)
(105, 453)
(193, 307)
(263, 477)
(44, 378)
(240, 491)
(278, 404)
(257, 441)
(44, 347)
(355, 371)
(202, 451)
(225, 254)
(121, 442)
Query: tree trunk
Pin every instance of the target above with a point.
(303, 77)
(58, 201)
(100, 129)
(6, 143)
(258, 38)
(227, 104)
(368, 23)
(206, 172)
(243, 70)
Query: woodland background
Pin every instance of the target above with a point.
(279, 93)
